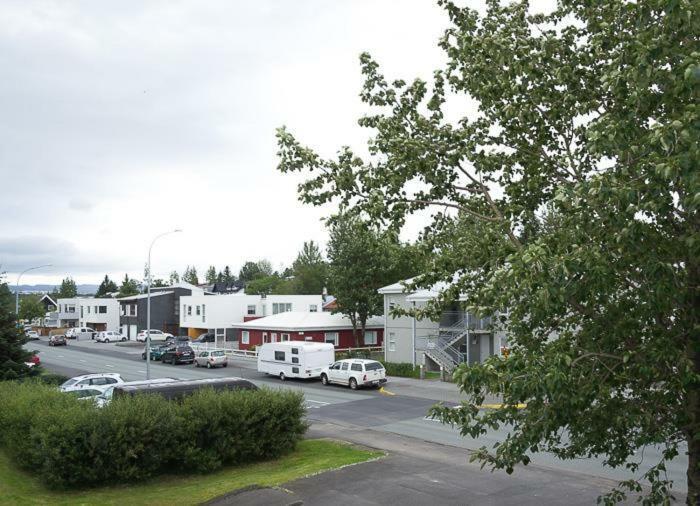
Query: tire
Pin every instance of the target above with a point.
(324, 380)
(282, 376)
(353, 384)
(196, 364)
(123, 339)
(107, 340)
(208, 365)
(225, 364)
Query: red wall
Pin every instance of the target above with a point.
(345, 338)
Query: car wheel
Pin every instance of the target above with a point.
(282, 376)
(174, 361)
(196, 364)
(123, 339)
(324, 379)
(107, 340)
(353, 383)
(225, 364)
(208, 365)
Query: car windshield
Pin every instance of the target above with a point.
(70, 382)
(108, 393)
(373, 366)
(217, 353)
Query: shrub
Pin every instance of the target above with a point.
(68, 442)
(401, 369)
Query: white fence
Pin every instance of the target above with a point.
(253, 354)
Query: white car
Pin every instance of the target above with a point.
(354, 373)
(98, 379)
(32, 334)
(86, 392)
(156, 335)
(109, 336)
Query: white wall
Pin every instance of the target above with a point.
(110, 318)
(223, 311)
(400, 331)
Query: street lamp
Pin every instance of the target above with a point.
(17, 287)
(148, 304)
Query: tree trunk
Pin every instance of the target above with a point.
(693, 347)
(363, 323)
(353, 320)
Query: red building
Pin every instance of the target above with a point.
(320, 327)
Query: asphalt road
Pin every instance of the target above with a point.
(399, 411)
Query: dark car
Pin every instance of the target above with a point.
(157, 351)
(180, 389)
(58, 340)
(178, 354)
(177, 340)
(205, 338)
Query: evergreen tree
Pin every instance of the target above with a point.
(106, 287)
(190, 276)
(129, 287)
(211, 275)
(12, 355)
(309, 270)
(174, 278)
(67, 290)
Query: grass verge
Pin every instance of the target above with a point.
(311, 456)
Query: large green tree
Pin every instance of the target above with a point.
(210, 275)
(253, 270)
(309, 270)
(190, 275)
(13, 356)
(67, 290)
(30, 307)
(129, 287)
(569, 194)
(106, 287)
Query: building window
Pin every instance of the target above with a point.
(264, 338)
(295, 360)
(204, 312)
(184, 312)
(199, 310)
(102, 309)
(392, 305)
(81, 311)
(245, 337)
(331, 337)
(96, 309)
(284, 337)
(370, 337)
(122, 310)
(88, 309)
(251, 309)
(189, 310)
(392, 341)
(279, 355)
(295, 351)
(281, 307)
(313, 308)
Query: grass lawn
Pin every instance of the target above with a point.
(312, 456)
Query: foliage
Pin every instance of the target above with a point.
(309, 270)
(571, 198)
(7, 298)
(12, 355)
(129, 287)
(254, 270)
(227, 276)
(67, 290)
(210, 275)
(30, 307)
(74, 443)
(311, 456)
(106, 287)
(190, 275)
(173, 278)
(159, 283)
(262, 285)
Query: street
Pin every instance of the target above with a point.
(399, 410)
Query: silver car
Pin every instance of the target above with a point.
(211, 358)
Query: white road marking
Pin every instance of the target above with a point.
(144, 372)
(60, 356)
(316, 404)
(82, 360)
(108, 365)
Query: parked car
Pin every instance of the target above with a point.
(178, 354)
(157, 350)
(81, 333)
(70, 333)
(99, 379)
(90, 392)
(32, 335)
(180, 389)
(354, 373)
(33, 360)
(211, 358)
(109, 336)
(205, 338)
(177, 340)
(58, 340)
(105, 397)
(156, 335)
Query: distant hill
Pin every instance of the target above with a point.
(82, 289)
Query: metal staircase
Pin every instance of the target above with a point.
(442, 347)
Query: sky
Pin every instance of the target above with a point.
(123, 120)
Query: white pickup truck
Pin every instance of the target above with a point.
(355, 373)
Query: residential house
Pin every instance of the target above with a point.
(165, 309)
(456, 337)
(219, 314)
(98, 314)
(51, 306)
(320, 327)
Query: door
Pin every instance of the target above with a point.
(274, 337)
(344, 373)
(334, 372)
(133, 332)
(485, 348)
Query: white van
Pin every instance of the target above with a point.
(295, 359)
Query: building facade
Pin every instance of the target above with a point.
(98, 314)
(320, 327)
(455, 337)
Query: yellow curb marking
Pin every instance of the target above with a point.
(385, 392)
(499, 406)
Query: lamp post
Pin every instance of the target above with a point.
(148, 304)
(17, 287)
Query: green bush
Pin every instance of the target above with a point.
(52, 379)
(401, 369)
(68, 442)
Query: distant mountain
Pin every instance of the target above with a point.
(82, 289)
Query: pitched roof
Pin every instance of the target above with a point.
(302, 321)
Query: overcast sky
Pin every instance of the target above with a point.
(121, 120)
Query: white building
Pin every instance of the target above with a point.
(98, 314)
(218, 314)
(456, 337)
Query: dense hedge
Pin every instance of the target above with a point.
(402, 369)
(71, 443)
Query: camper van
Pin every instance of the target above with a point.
(295, 359)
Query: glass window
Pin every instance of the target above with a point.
(370, 337)
(199, 312)
(284, 337)
(279, 355)
(295, 370)
(245, 337)
(373, 366)
(251, 309)
(103, 309)
(336, 366)
(356, 367)
(295, 351)
(189, 310)
(313, 308)
(295, 360)
(344, 367)
(331, 337)
(217, 353)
